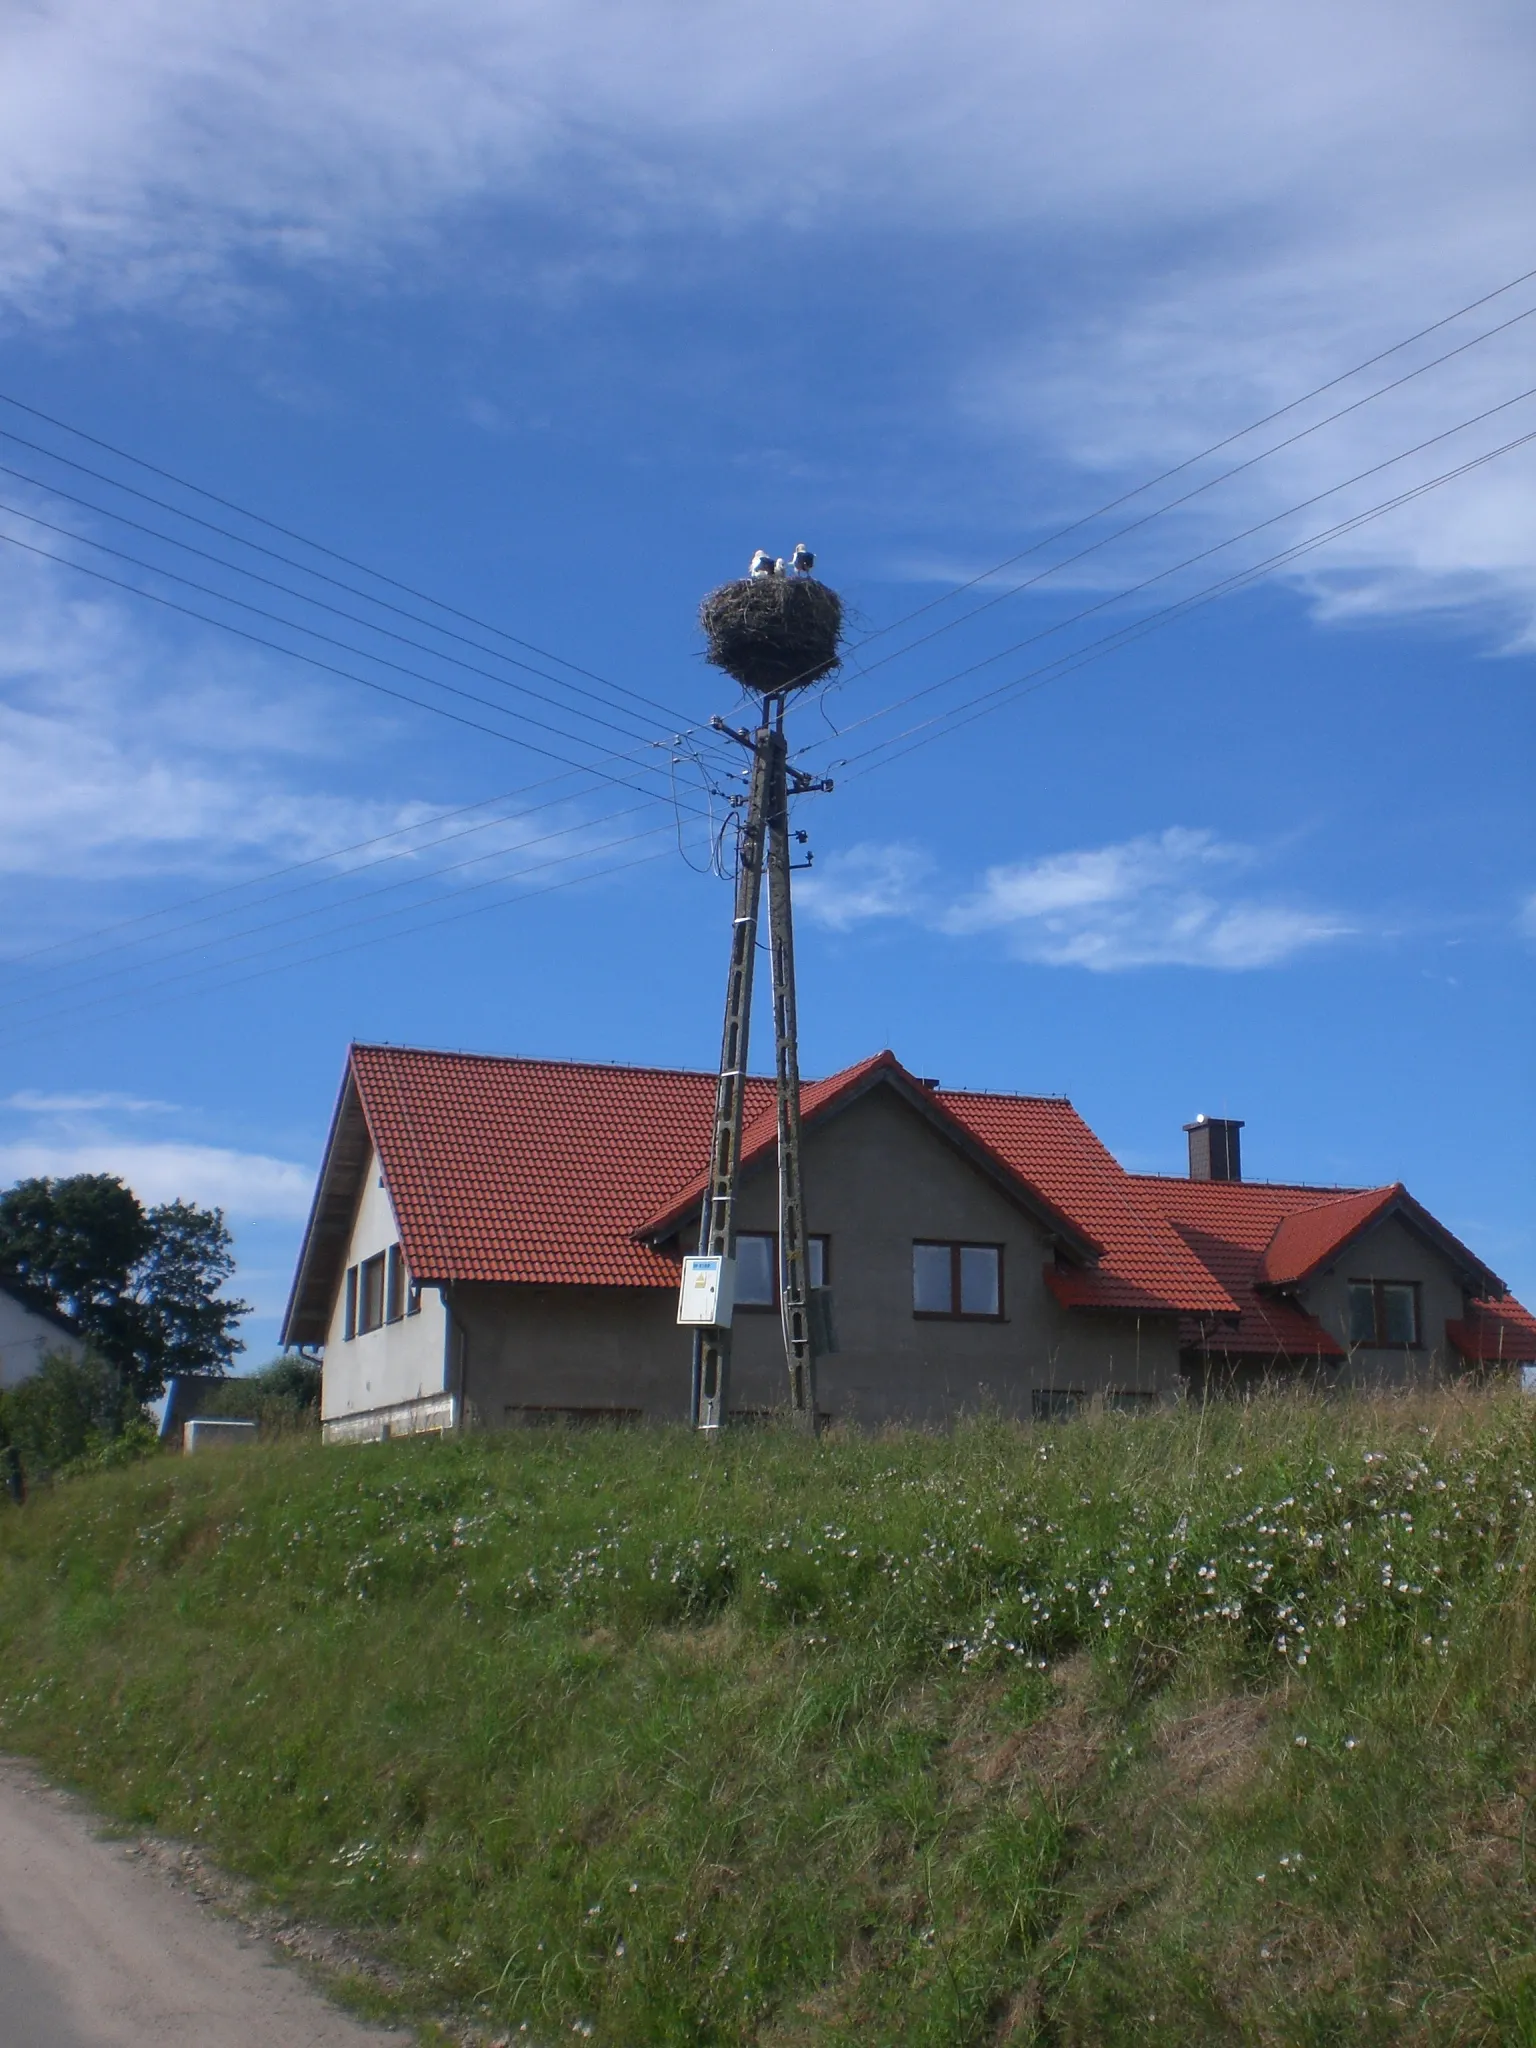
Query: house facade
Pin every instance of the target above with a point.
(29, 1334)
(498, 1242)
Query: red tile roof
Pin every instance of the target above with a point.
(535, 1171)
(556, 1173)
(1146, 1265)
(1229, 1225)
(1496, 1333)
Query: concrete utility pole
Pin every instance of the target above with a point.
(774, 641)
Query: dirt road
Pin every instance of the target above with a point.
(98, 1950)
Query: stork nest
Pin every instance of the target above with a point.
(773, 632)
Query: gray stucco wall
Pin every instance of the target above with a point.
(1391, 1251)
(877, 1176)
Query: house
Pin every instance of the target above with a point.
(29, 1334)
(499, 1241)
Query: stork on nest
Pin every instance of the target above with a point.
(774, 632)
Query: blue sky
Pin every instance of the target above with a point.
(555, 313)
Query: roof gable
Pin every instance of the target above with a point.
(822, 1099)
(1305, 1242)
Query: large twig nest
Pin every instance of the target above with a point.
(773, 632)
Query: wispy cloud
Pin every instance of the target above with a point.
(866, 882)
(1170, 899)
(35, 1102)
(1252, 197)
(249, 1185)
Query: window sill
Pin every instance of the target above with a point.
(944, 1315)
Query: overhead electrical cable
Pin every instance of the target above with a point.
(319, 547)
(942, 722)
(1161, 575)
(343, 910)
(300, 597)
(1173, 504)
(331, 952)
(1200, 455)
(326, 667)
(237, 933)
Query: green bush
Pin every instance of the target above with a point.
(72, 1414)
(283, 1397)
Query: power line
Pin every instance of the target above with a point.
(1203, 554)
(1187, 497)
(949, 720)
(303, 568)
(74, 1010)
(318, 910)
(314, 661)
(434, 924)
(297, 626)
(289, 533)
(1189, 461)
(287, 589)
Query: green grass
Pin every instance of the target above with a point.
(1187, 1728)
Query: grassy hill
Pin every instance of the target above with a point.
(1209, 1727)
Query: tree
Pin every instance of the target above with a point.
(143, 1285)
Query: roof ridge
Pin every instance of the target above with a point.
(520, 1059)
(998, 1095)
(1293, 1187)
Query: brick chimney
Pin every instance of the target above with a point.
(1215, 1151)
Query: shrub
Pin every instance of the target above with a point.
(70, 1414)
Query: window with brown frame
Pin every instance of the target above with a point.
(959, 1282)
(370, 1293)
(756, 1255)
(1384, 1314)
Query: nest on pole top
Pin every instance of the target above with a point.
(773, 633)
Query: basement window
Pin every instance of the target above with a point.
(1384, 1314)
(370, 1293)
(1130, 1401)
(756, 1253)
(962, 1282)
(1057, 1404)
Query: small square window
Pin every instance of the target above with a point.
(756, 1252)
(413, 1297)
(958, 1280)
(1384, 1314)
(1057, 1404)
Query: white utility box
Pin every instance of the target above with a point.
(707, 1297)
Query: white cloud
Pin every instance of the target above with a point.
(1221, 205)
(865, 882)
(1167, 899)
(1526, 920)
(1164, 900)
(36, 1103)
(121, 755)
(249, 1185)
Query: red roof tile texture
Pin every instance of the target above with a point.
(552, 1173)
(535, 1171)
(1496, 1333)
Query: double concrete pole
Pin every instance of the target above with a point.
(764, 844)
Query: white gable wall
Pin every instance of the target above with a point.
(26, 1339)
(395, 1375)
